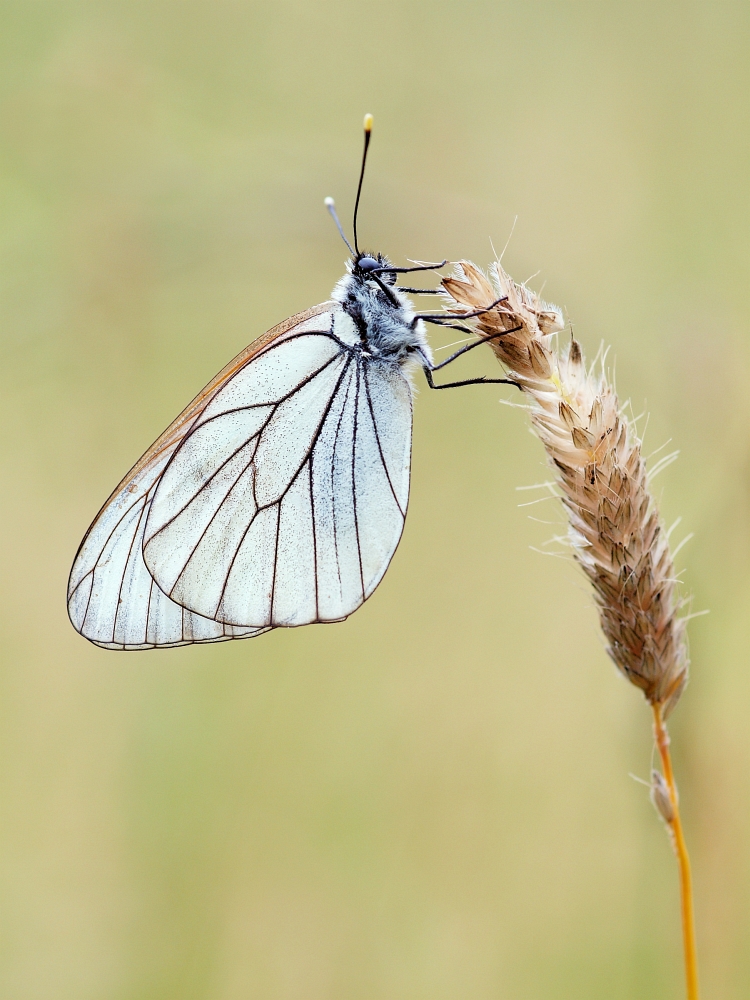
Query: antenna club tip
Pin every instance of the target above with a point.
(368, 123)
(328, 202)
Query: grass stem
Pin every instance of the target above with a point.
(674, 826)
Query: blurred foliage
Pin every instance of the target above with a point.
(432, 799)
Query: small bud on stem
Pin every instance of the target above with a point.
(660, 797)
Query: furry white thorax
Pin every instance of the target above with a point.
(383, 329)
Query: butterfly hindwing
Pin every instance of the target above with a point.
(284, 503)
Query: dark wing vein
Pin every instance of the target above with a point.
(333, 499)
(276, 551)
(148, 610)
(314, 536)
(354, 484)
(125, 570)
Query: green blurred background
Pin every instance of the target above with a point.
(430, 801)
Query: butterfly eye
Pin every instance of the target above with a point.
(368, 263)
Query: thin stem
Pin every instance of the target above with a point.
(678, 842)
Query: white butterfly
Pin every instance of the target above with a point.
(278, 496)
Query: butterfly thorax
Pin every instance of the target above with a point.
(384, 318)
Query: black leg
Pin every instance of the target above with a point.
(468, 381)
(468, 315)
(421, 291)
(452, 326)
(388, 291)
(470, 347)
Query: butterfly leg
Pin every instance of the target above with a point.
(467, 315)
(469, 381)
(428, 367)
(470, 347)
(454, 326)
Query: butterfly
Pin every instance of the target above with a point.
(277, 497)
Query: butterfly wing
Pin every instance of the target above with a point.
(285, 502)
(112, 598)
(359, 470)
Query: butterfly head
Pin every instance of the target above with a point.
(365, 265)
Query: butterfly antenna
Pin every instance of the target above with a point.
(368, 133)
(331, 206)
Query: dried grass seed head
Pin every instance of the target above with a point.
(614, 526)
